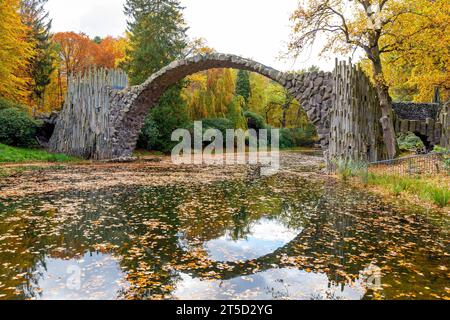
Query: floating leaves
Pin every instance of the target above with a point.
(204, 234)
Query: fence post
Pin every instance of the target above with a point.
(410, 167)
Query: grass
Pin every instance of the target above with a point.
(19, 155)
(441, 197)
(427, 188)
(432, 188)
(348, 169)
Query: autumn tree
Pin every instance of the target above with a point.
(15, 52)
(41, 63)
(272, 101)
(76, 51)
(420, 61)
(110, 52)
(359, 24)
(209, 93)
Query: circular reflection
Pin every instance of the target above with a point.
(262, 238)
(279, 284)
(95, 276)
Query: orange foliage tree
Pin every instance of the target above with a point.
(76, 54)
(110, 52)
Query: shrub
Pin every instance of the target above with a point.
(17, 128)
(5, 104)
(255, 121)
(297, 137)
(221, 124)
(446, 157)
(440, 149)
(286, 139)
(447, 163)
(170, 114)
(409, 141)
(149, 134)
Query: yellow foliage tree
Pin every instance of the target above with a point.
(419, 59)
(367, 25)
(15, 53)
(209, 93)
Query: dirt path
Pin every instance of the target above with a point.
(36, 178)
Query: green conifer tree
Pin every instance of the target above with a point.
(157, 37)
(41, 64)
(243, 88)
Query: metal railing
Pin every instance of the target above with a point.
(432, 163)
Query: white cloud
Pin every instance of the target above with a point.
(257, 29)
(93, 17)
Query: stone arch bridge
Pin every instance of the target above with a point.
(102, 116)
(313, 91)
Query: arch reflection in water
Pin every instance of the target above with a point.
(78, 279)
(280, 284)
(263, 237)
(168, 240)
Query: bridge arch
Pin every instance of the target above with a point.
(313, 90)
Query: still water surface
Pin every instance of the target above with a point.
(275, 238)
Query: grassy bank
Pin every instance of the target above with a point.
(432, 189)
(20, 155)
(427, 188)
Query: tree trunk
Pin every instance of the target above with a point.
(387, 120)
(285, 107)
(284, 121)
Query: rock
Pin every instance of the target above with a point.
(120, 160)
(306, 93)
(311, 114)
(317, 99)
(318, 82)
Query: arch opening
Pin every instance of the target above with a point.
(312, 90)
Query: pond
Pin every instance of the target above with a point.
(279, 237)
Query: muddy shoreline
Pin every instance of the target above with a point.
(40, 178)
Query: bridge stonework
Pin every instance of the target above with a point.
(312, 90)
(355, 132)
(101, 121)
(429, 121)
(444, 120)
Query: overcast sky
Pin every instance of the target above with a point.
(257, 29)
